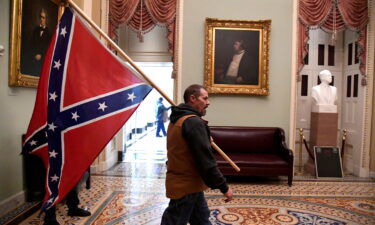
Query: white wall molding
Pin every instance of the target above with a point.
(356, 170)
(104, 15)
(348, 165)
(366, 138)
(293, 85)
(179, 38)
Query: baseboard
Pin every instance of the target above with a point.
(348, 165)
(103, 166)
(364, 172)
(12, 202)
(356, 170)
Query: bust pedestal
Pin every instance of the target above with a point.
(323, 132)
(324, 108)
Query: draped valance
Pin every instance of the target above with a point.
(333, 16)
(142, 16)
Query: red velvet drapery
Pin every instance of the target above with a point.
(349, 14)
(142, 16)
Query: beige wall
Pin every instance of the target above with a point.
(16, 108)
(272, 110)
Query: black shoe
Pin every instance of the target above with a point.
(79, 212)
(158, 136)
(53, 222)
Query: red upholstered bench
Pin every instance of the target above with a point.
(258, 151)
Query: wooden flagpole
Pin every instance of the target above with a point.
(131, 62)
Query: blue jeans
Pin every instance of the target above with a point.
(160, 126)
(191, 208)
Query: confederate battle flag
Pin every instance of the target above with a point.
(85, 96)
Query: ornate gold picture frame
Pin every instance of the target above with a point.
(236, 56)
(32, 26)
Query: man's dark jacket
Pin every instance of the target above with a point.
(197, 135)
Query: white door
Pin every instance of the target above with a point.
(352, 105)
(321, 56)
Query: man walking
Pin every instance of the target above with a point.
(191, 166)
(161, 115)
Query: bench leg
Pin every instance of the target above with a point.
(88, 181)
(290, 180)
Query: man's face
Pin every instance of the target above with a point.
(237, 46)
(42, 17)
(200, 103)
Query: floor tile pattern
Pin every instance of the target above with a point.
(148, 149)
(273, 210)
(125, 200)
(137, 170)
(133, 193)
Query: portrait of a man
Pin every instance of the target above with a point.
(39, 19)
(236, 57)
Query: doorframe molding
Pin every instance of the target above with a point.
(177, 96)
(293, 85)
(369, 95)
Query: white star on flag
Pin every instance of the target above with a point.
(46, 133)
(57, 64)
(50, 200)
(102, 106)
(75, 116)
(63, 31)
(33, 142)
(53, 96)
(54, 178)
(51, 127)
(53, 154)
(131, 96)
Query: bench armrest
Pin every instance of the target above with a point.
(285, 152)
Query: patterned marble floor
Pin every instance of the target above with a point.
(136, 170)
(133, 201)
(133, 193)
(148, 149)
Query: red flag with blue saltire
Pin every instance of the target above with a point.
(85, 95)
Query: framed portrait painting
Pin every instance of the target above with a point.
(236, 56)
(32, 26)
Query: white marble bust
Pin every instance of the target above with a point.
(324, 96)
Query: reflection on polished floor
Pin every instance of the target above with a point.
(132, 192)
(150, 149)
